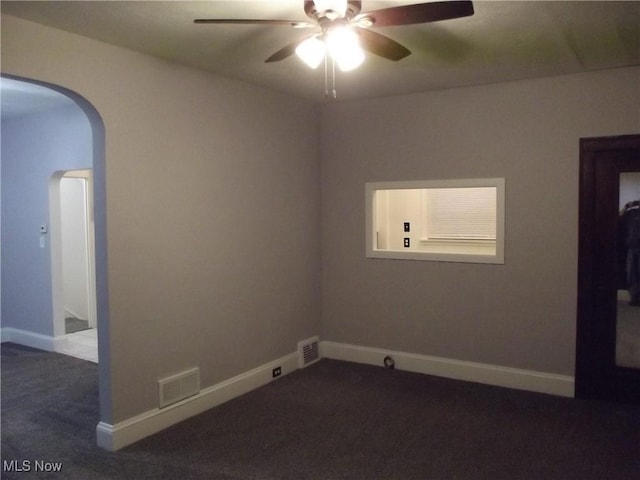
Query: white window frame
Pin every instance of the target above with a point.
(456, 250)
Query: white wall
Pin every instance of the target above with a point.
(521, 314)
(212, 212)
(403, 206)
(75, 247)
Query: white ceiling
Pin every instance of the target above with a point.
(504, 40)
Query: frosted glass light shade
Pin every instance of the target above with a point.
(344, 47)
(311, 51)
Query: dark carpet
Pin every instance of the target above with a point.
(73, 325)
(332, 420)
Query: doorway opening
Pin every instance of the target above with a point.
(608, 347)
(73, 262)
(31, 249)
(628, 308)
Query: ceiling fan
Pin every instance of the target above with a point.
(342, 32)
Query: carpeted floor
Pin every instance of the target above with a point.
(332, 420)
(73, 325)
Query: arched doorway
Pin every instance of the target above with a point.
(37, 222)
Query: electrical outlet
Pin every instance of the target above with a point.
(277, 372)
(407, 242)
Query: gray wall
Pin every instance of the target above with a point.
(521, 314)
(34, 147)
(213, 221)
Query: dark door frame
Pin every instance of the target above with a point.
(597, 376)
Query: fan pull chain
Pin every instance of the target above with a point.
(326, 78)
(333, 94)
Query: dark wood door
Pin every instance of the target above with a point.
(600, 372)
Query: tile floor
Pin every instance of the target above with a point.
(82, 344)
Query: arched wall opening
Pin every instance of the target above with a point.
(49, 335)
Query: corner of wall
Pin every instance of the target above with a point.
(117, 436)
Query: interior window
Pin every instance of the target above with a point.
(440, 220)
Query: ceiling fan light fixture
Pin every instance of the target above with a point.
(337, 7)
(343, 45)
(311, 51)
(343, 28)
(350, 60)
(366, 21)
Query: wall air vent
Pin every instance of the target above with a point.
(308, 352)
(178, 387)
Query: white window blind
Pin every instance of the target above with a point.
(460, 213)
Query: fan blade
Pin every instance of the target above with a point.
(248, 21)
(382, 46)
(286, 51)
(419, 13)
(310, 9)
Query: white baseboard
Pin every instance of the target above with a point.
(550, 383)
(33, 340)
(70, 313)
(115, 437)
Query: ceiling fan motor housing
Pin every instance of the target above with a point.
(321, 16)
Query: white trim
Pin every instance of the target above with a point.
(5, 334)
(550, 383)
(126, 432)
(33, 340)
(69, 313)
